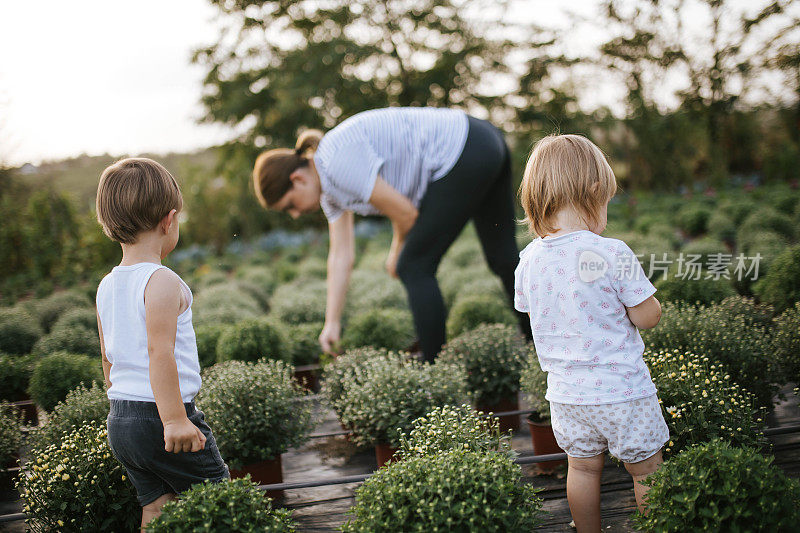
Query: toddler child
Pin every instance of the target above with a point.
(586, 295)
(148, 344)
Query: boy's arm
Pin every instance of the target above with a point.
(106, 362)
(162, 302)
(645, 315)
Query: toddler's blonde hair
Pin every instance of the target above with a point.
(565, 171)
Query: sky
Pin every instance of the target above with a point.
(115, 76)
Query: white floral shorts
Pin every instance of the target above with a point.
(631, 431)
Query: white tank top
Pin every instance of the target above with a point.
(120, 304)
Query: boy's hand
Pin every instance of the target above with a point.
(183, 436)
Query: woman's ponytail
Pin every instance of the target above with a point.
(308, 140)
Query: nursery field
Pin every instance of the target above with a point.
(725, 358)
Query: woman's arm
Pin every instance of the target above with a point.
(400, 211)
(341, 257)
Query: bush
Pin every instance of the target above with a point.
(81, 406)
(303, 343)
(693, 291)
(300, 302)
(693, 219)
(312, 268)
(472, 311)
(652, 251)
(383, 397)
(767, 218)
(251, 340)
(767, 244)
(51, 308)
(492, 355)
(705, 247)
(345, 368)
(58, 373)
(716, 487)
(781, 286)
(236, 506)
(19, 331)
(533, 382)
(79, 486)
(453, 283)
(207, 337)
(737, 209)
(700, 402)
(256, 409)
(259, 281)
(786, 343)
(732, 341)
(381, 328)
(452, 491)
(10, 434)
(74, 340)
(371, 289)
(15, 375)
(82, 318)
(722, 227)
(225, 303)
(449, 428)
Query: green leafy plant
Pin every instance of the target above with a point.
(10, 434)
(492, 355)
(448, 428)
(19, 331)
(457, 490)
(81, 406)
(256, 409)
(56, 374)
(236, 506)
(83, 318)
(51, 308)
(469, 312)
(786, 343)
(781, 286)
(77, 339)
(370, 289)
(207, 336)
(252, 339)
(392, 329)
(300, 302)
(454, 283)
(346, 368)
(693, 291)
(721, 226)
(732, 341)
(533, 382)
(78, 486)
(693, 219)
(718, 487)
(15, 375)
(224, 304)
(700, 402)
(303, 343)
(384, 395)
(767, 218)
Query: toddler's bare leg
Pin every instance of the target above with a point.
(583, 491)
(153, 509)
(640, 471)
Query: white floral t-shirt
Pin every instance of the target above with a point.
(576, 288)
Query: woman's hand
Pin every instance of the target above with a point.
(391, 260)
(330, 336)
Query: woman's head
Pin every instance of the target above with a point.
(286, 179)
(566, 172)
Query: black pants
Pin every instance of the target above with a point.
(478, 187)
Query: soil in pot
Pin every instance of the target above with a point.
(384, 454)
(544, 442)
(264, 473)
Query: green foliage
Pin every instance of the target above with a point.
(207, 337)
(737, 208)
(346, 368)
(256, 409)
(451, 491)
(303, 343)
(471, 311)
(492, 355)
(78, 486)
(19, 331)
(81, 406)
(300, 301)
(781, 286)
(693, 291)
(786, 343)
(462, 283)
(51, 308)
(767, 219)
(370, 289)
(77, 339)
(450, 428)
(260, 277)
(382, 328)
(252, 339)
(717, 487)
(15, 374)
(384, 395)
(706, 248)
(236, 506)
(733, 340)
(700, 402)
(83, 318)
(10, 434)
(693, 219)
(533, 382)
(225, 303)
(721, 226)
(58, 373)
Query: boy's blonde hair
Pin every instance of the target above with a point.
(565, 171)
(133, 196)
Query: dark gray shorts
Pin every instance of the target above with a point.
(136, 436)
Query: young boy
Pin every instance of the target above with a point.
(147, 340)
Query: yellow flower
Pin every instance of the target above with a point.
(65, 477)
